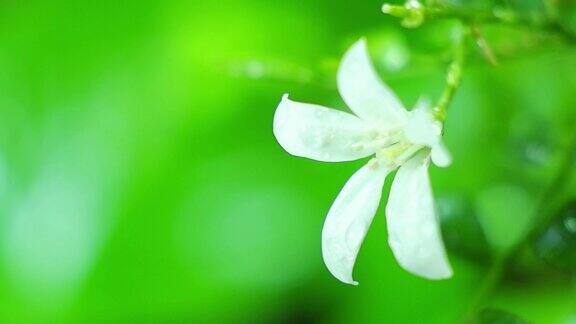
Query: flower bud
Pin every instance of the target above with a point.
(412, 13)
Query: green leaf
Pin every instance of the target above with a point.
(498, 316)
(505, 213)
(460, 227)
(557, 245)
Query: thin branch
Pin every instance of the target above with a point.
(483, 44)
(495, 16)
(453, 78)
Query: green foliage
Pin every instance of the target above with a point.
(496, 316)
(557, 245)
(140, 182)
(461, 229)
(506, 213)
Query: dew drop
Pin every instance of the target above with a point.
(319, 141)
(422, 252)
(319, 113)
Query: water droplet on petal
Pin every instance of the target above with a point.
(422, 252)
(319, 113)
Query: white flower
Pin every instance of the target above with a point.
(398, 139)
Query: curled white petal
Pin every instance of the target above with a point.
(319, 133)
(364, 91)
(349, 219)
(413, 231)
(440, 155)
(423, 103)
(422, 128)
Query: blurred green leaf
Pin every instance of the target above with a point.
(497, 316)
(461, 230)
(557, 245)
(505, 212)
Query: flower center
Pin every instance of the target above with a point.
(395, 155)
(391, 148)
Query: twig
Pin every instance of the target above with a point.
(495, 16)
(483, 44)
(453, 78)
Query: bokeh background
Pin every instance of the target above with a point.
(140, 181)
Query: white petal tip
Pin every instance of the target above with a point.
(442, 163)
(441, 276)
(363, 90)
(441, 156)
(437, 275)
(342, 277)
(348, 281)
(342, 274)
(439, 269)
(348, 221)
(359, 48)
(413, 231)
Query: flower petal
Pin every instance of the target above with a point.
(349, 219)
(364, 91)
(319, 133)
(440, 155)
(413, 230)
(421, 127)
(422, 103)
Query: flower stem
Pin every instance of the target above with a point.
(502, 16)
(505, 16)
(453, 78)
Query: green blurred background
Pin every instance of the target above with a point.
(140, 180)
